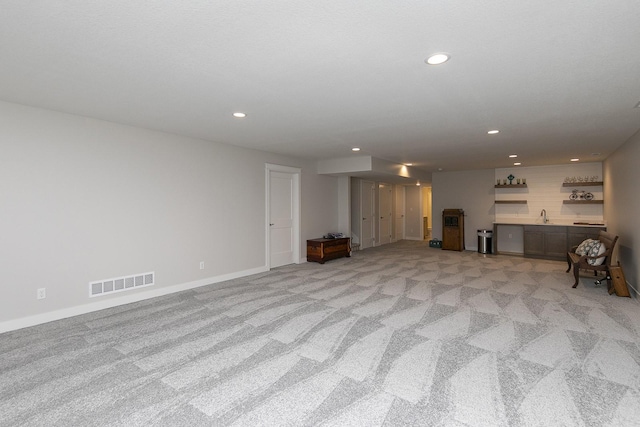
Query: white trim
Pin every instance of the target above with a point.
(24, 322)
(296, 172)
(635, 292)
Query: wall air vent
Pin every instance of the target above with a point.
(119, 284)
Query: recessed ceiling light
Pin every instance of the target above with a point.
(437, 59)
(575, 160)
(239, 115)
(595, 154)
(355, 149)
(493, 132)
(439, 169)
(517, 164)
(513, 156)
(408, 164)
(418, 183)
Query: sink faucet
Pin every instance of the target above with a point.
(543, 214)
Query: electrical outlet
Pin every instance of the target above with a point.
(201, 265)
(42, 293)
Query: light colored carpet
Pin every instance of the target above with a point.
(398, 335)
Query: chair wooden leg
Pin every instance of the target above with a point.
(568, 264)
(576, 274)
(608, 277)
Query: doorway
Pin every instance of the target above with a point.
(283, 215)
(400, 206)
(385, 197)
(427, 215)
(367, 210)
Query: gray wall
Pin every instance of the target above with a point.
(472, 191)
(622, 206)
(84, 200)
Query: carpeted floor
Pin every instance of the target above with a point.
(398, 335)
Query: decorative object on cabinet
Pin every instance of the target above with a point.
(581, 262)
(453, 229)
(510, 178)
(580, 195)
(321, 250)
(586, 180)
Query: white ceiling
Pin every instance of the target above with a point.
(560, 79)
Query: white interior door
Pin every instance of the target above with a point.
(385, 197)
(399, 212)
(367, 209)
(283, 218)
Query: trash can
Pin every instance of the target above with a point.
(485, 238)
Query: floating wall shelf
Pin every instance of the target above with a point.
(511, 202)
(511, 186)
(579, 184)
(583, 202)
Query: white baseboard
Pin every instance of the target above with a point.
(635, 293)
(37, 319)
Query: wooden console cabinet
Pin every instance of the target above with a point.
(453, 229)
(321, 250)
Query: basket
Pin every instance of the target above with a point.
(435, 243)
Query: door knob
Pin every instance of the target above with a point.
(270, 224)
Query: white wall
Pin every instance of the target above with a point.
(344, 205)
(356, 224)
(545, 191)
(84, 200)
(622, 208)
(471, 191)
